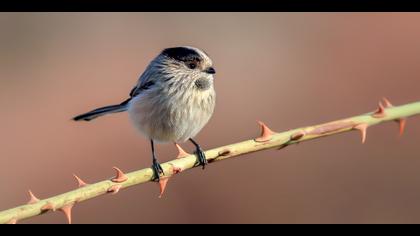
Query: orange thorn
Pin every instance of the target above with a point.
(162, 184)
(114, 189)
(33, 199)
(386, 102)
(47, 207)
(402, 122)
(121, 177)
(363, 129)
(266, 133)
(380, 112)
(67, 211)
(80, 182)
(181, 152)
(298, 135)
(12, 221)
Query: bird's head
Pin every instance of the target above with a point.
(187, 64)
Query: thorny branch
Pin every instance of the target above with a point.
(184, 161)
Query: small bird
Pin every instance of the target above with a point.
(172, 101)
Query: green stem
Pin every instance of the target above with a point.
(276, 140)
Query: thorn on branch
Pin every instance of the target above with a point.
(163, 181)
(380, 111)
(266, 133)
(32, 199)
(387, 103)
(65, 201)
(181, 152)
(401, 122)
(114, 189)
(80, 182)
(363, 130)
(162, 185)
(175, 169)
(120, 176)
(67, 209)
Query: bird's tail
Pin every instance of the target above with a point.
(102, 111)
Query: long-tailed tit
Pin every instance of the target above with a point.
(172, 101)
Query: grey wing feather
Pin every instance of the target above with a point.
(146, 81)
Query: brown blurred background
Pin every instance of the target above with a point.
(287, 69)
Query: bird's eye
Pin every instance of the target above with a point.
(192, 65)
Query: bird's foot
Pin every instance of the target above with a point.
(157, 170)
(202, 161)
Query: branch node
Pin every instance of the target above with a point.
(175, 169)
(48, 207)
(298, 135)
(114, 189)
(224, 152)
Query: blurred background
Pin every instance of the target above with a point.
(286, 69)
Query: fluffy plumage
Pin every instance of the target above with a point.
(173, 99)
(174, 109)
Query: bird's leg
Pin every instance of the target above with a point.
(202, 161)
(157, 169)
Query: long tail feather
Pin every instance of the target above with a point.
(102, 111)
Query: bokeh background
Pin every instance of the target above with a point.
(286, 69)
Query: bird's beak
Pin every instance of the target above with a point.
(210, 70)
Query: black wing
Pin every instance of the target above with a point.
(137, 90)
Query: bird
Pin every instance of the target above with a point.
(173, 99)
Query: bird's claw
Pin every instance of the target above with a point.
(202, 161)
(157, 170)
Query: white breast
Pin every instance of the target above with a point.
(171, 119)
